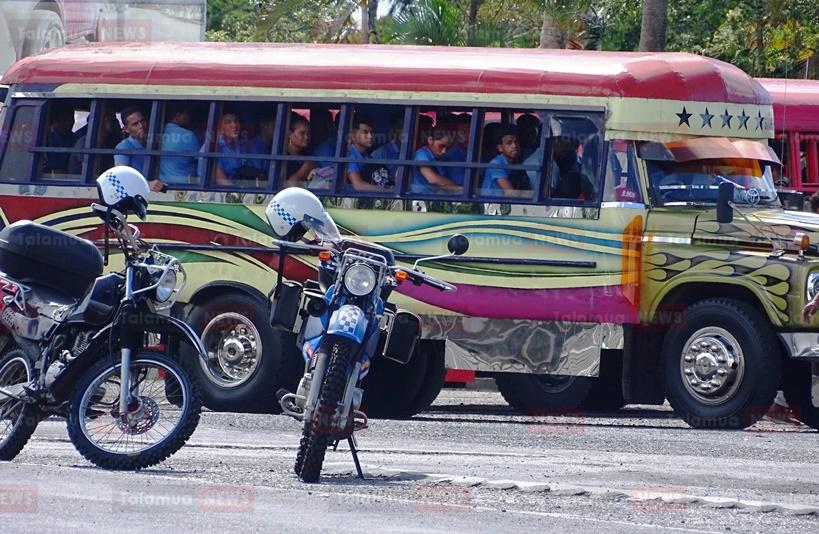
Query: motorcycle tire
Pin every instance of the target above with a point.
(341, 353)
(23, 417)
(92, 404)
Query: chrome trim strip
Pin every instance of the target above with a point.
(626, 205)
(801, 345)
(667, 239)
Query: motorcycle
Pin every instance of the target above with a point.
(343, 319)
(88, 346)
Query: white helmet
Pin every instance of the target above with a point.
(124, 189)
(294, 210)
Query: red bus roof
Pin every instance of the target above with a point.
(795, 102)
(669, 76)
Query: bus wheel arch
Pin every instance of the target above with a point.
(248, 360)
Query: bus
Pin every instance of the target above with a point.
(602, 269)
(796, 120)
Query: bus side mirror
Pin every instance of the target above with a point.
(458, 245)
(725, 213)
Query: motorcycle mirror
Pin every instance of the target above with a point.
(458, 245)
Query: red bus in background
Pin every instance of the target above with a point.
(796, 120)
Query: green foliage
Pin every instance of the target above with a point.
(764, 37)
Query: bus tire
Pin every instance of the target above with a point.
(45, 30)
(532, 394)
(606, 393)
(721, 366)
(390, 388)
(245, 354)
(433, 380)
(796, 385)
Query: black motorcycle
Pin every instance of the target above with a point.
(101, 350)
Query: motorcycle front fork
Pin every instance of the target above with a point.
(125, 384)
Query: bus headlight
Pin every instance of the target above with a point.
(812, 286)
(359, 279)
(167, 284)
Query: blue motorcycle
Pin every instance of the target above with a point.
(343, 320)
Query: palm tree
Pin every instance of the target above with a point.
(426, 22)
(655, 20)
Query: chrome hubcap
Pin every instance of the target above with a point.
(234, 349)
(712, 365)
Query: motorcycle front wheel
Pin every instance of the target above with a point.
(314, 444)
(163, 414)
(18, 419)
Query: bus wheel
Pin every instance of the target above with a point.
(721, 366)
(433, 380)
(796, 386)
(244, 354)
(390, 388)
(543, 394)
(44, 31)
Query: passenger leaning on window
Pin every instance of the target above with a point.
(298, 141)
(178, 138)
(499, 181)
(361, 175)
(431, 179)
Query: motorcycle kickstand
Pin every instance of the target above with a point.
(354, 452)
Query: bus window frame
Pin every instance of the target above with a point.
(9, 117)
(405, 164)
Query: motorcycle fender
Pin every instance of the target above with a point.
(163, 324)
(349, 322)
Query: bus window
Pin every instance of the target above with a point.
(621, 174)
(509, 138)
(375, 133)
(575, 148)
(183, 130)
(17, 156)
(240, 132)
(65, 128)
(310, 132)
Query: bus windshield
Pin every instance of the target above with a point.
(698, 181)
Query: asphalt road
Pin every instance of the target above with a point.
(467, 465)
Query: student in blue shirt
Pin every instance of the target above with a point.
(176, 137)
(392, 149)
(361, 175)
(498, 181)
(135, 125)
(459, 124)
(233, 165)
(432, 179)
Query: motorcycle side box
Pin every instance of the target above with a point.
(36, 254)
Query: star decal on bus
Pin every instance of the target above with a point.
(684, 116)
(726, 119)
(706, 118)
(743, 120)
(760, 121)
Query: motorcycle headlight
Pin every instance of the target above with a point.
(167, 284)
(359, 280)
(812, 286)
